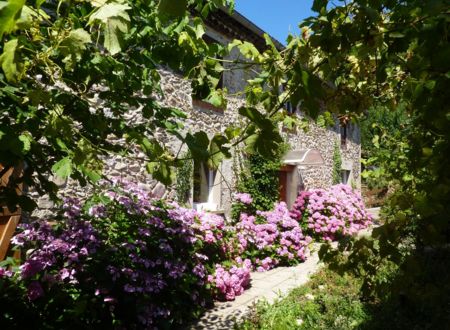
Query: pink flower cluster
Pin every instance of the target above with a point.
(328, 213)
(273, 236)
(231, 282)
(243, 198)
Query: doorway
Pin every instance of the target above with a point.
(286, 184)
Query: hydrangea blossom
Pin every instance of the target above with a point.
(243, 198)
(275, 236)
(152, 257)
(328, 213)
(233, 281)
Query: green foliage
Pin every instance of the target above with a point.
(114, 21)
(259, 178)
(379, 124)
(328, 301)
(338, 304)
(389, 54)
(184, 179)
(337, 164)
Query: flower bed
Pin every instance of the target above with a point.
(330, 213)
(123, 259)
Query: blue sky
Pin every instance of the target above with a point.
(276, 17)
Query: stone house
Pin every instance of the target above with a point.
(308, 163)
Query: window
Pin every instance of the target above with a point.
(343, 129)
(206, 187)
(345, 176)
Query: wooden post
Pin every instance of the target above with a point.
(8, 220)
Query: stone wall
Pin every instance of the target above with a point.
(324, 140)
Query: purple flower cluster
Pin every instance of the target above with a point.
(54, 256)
(144, 263)
(328, 213)
(125, 252)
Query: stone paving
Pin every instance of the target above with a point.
(268, 285)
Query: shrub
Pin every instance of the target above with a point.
(121, 260)
(330, 213)
(125, 260)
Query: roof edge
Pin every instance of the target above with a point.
(238, 17)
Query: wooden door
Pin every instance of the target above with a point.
(283, 185)
(284, 182)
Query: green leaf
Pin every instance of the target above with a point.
(73, 46)
(216, 99)
(9, 14)
(319, 4)
(233, 44)
(248, 50)
(199, 28)
(172, 8)
(217, 151)
(162, 172)
(114, 20)
(91, 173)
(396, 35)
(26, 140)
(98, 3)
(152, 148)
(63, 168)
(232, 132)
(256, 117)
(198, 145)
(39, 3)
(269, 42)
(9, 61)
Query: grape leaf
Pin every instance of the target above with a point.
(172, 8)
(63, 168)
(9, 14)
(73, 46)
(114, 20)
(8, 61)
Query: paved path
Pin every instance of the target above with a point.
(267, 285)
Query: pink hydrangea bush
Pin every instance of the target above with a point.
(271, 238)
(331, 213)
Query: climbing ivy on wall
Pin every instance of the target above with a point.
(260, 178)
(337, 164)
(183, 185)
